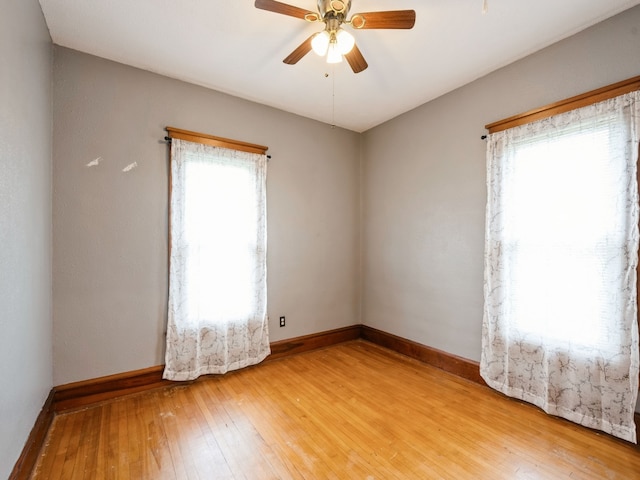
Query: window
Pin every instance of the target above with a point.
(561, 252)
(217, 268)
(564, 232)
(220, 235)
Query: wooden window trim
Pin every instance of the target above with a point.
(566, 105)
(216, 141)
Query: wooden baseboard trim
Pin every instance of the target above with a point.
(29, 456)
(88, 392)
(448, 362)
(292, 346)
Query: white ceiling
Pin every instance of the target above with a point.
(232, 47)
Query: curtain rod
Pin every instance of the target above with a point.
(168, 140)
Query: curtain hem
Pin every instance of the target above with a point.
(627, 433)
(181, 376)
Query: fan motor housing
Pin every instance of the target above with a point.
(334, 8)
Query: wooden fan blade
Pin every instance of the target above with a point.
(283, 8)
(356, 60)
(295, 56)
(390, 19)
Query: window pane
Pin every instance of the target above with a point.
(565, 236)
(220, 231)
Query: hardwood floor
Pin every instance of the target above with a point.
(354, 410)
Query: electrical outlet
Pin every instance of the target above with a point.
(282, 322)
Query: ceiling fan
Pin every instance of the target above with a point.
(334, 41)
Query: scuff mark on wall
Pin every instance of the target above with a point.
(130, 167)
(94, 162)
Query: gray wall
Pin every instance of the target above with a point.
(25, 223)
(110, 227)
(424, 186)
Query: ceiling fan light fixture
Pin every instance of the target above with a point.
(333, 54)
(320, 43)
(345, 41)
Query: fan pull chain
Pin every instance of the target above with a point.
(333, 96)
(485, 6)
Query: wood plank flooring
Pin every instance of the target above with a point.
(354, 410)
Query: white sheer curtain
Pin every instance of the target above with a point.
(217, 273)
(560, 319)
